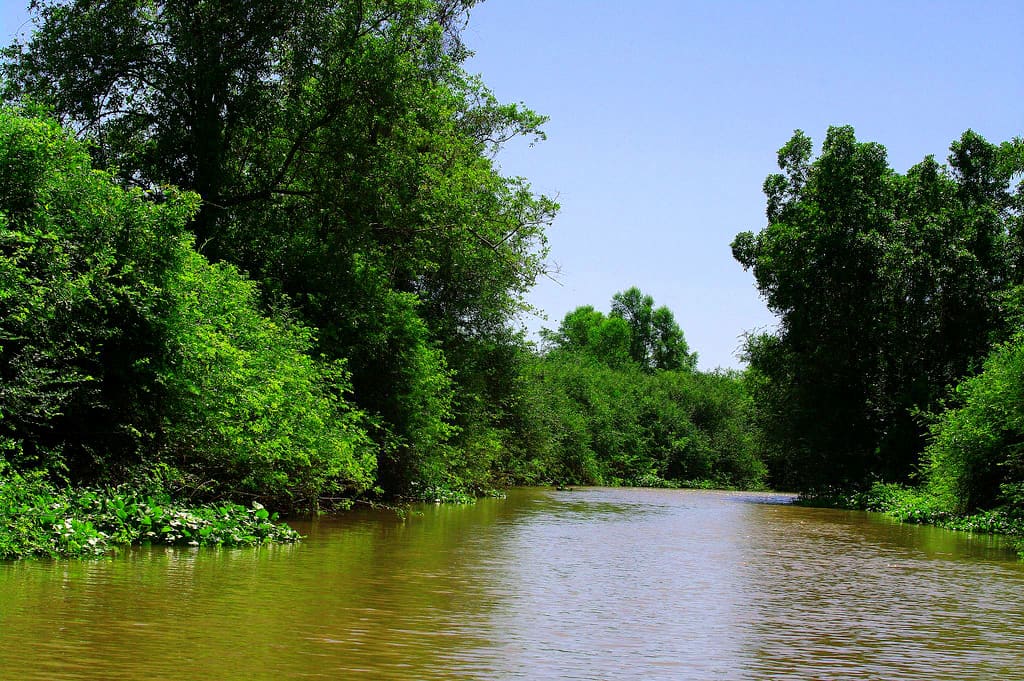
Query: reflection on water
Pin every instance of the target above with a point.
(587, 584)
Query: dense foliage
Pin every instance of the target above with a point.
(122, 348)
(617, 401)
(975, 459)
(889, 288)
(344, 161)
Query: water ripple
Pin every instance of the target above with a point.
(587, 584)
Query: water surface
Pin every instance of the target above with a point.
(584, 584)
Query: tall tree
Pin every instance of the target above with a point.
(888, 289)
(344, 159)
(637, 310)
(656, 341)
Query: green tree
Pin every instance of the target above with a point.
(122, 348)
(637, 310)
(344, 160)
(246, 409)
(81, 264)
(668, 348)
(634, 332)
(588, 331)
(888, 289)
(656, 341)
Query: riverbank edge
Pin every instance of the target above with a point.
(915, 506)
(38, 519)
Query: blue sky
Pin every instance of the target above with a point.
(666, 116)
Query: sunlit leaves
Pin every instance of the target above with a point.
(121, 346)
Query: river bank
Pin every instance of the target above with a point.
(40, 520)
(910, 505)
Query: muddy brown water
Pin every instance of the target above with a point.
(583, 584)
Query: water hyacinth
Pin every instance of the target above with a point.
(38, 519)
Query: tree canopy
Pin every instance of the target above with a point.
(889, 288)
(634, 331)
(343, 158)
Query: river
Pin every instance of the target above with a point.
(584, 584)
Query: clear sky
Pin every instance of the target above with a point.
(666, 117)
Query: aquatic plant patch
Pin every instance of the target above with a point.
(38, 519)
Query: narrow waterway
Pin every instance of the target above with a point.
(583, 584)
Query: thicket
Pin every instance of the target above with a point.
(129, 366)
(122, 349)
(890, 289)
(616, 400)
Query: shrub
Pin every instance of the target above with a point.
(121, 347)
(249, 410)
(975, 459)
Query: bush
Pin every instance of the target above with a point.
(249, 411)
(975, 459)
(121, 347)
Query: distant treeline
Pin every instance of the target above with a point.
(618, 400)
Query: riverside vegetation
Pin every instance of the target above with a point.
(898, 356)
(260, 254)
